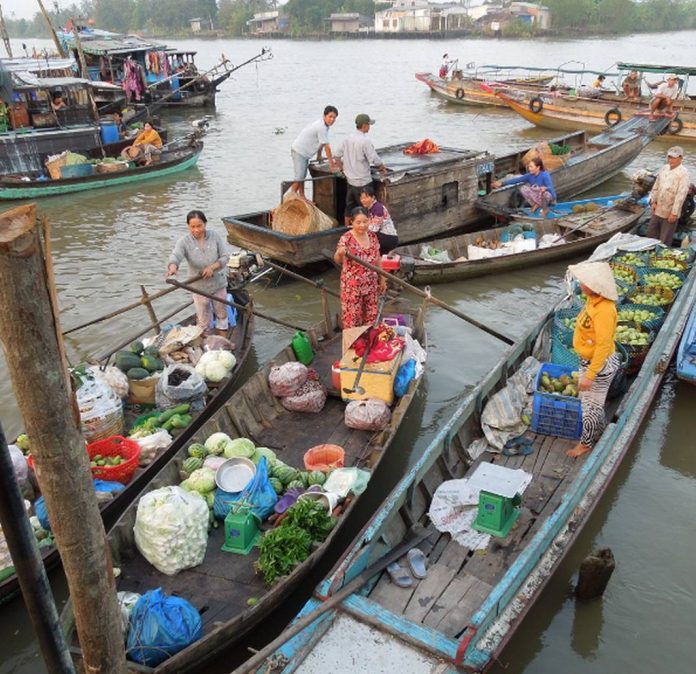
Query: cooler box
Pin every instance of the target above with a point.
(109, 132)
(377, 379)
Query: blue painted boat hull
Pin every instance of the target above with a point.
(686, 355)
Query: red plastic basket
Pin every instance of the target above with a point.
(113, 446)
(324, 457)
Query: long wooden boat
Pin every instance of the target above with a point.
(561, 111)
(223, 583)
(35, 185)
(432, 196)
(460, 617)
(466, 90)
(580, 231)
(686, 355)
(241, 336)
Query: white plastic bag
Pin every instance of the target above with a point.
(180, 384)
(344, 480)
(19, 463)
(151, 443)
(101, 410)
(171, 529)
(126, 602)
(367, 415)
(286, 379)
(113, 377)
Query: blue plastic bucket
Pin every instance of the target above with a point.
(76, 171)
(109, 132)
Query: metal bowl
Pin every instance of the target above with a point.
(235, 474)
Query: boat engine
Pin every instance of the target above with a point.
(243, 268)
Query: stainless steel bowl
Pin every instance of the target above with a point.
(235, 474)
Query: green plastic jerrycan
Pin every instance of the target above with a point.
(302, 348)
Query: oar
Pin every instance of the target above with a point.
(229, 303)
(356, 388)
(258, 658)
(426, 295)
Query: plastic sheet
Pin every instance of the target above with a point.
(180, 384)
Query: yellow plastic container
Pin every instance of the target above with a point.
(377, 379)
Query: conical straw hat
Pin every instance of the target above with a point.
(597, 277)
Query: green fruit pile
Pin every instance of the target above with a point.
(675, 254)
(632, 259)
(630, 336)
(565, 385)
(99, 460)
(624, 275)
(663, 279)
(569, 322)
(637, 315)
(667, 263)
(653, 300)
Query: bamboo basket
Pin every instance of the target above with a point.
(111, 167)
(296, 217)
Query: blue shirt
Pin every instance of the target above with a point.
(543, 179)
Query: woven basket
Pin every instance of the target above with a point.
(645, 272)
(111, 167)
(664, 296)
(636, 354)
(652, 324)
(625, 270)
(559, 329)
(296, 217)
(55, 165)
(637, 259)
(683, 254)
(622, 290)
(113, 446)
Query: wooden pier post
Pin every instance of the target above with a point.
(30, 334)
(594, 575)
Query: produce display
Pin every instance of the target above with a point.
(663, 279)
(586, 208)
(631, 336)
(99, 460)
(624, 274)
(214, 366)
(636, 315)
(675, 253)
(564, 385)
(654, 299)
(171, 419)
(139, 361)
(667, 263)
(633, 259)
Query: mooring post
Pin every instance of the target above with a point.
(595, 572)
(30, 335)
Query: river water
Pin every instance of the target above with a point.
(107, 243)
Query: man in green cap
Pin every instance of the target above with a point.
(355, 156)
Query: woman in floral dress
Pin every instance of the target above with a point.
(359, 285)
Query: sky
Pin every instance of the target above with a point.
(21, 9)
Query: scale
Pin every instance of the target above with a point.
(241, 530)
(499, 497)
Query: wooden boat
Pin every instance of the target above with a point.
(591, 160)
(240, 335)
(176, 158)
(460, 617)
(686, 355)
(580, 231)
(563, 111)
(432, 196)
(223, 583)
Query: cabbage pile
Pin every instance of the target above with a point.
(214, 366)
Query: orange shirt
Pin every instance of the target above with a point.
(148, 138)
(594, 334)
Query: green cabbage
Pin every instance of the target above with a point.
(202, 481)
(263, 451)
(217, 442)
(239, 447)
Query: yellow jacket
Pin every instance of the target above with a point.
(595, 330)
(148, 138)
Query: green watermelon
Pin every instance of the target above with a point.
(287, 474)
(192, 463)
(277, 485)
(295, 484)
(316, 477)
(197, 450)
(304, 476)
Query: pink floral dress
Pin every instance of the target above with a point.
(359, 286)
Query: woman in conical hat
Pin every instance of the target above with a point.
(593, 339)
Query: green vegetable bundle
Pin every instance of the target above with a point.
(282, 549)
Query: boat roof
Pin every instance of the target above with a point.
(100, 42)
(550, 69)
(28, 80)
(34, 64)
(654, 68)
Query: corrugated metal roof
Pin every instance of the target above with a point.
(653, 68)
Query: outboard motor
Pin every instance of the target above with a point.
(242, 269)
(643, 182)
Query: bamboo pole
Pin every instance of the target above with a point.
(123, 310)
(150, 310)
(5, 36)
(51, 30)
(28, 330)
(31, 574)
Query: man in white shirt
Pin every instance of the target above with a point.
(355, 156)
(312, 140)
(667, 196)
(664, 95)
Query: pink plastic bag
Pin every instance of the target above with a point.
(367, 415)
(310, 397)
(286, 379)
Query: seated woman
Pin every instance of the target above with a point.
(57, 102)
(537, 187)
(380, 222)
(146, 146)
(631, 86)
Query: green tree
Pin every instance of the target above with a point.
(571, 13)
(616, 15)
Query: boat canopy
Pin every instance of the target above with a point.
(33, 65)
(101, 43)
(550, 69)
(28, 80)
(651, 68)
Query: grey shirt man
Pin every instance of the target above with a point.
(198, 256)
(357, 154)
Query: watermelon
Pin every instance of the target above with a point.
(197, 450)
(304, 476)
(295, 484)
(191, 464)
(277, 485)
(287, 474)
(316, 477)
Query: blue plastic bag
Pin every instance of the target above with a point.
(259, 494)
(108, 486)
(42, 512)
(160, 626)
(404, 376)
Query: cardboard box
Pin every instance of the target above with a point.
(377, 379)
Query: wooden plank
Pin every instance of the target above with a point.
(459, 617)
(428, 591)
(448, 600)
(391, 596)
(454, 555)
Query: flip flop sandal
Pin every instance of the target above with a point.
(399, 576)
(519, 446)
(417, 563)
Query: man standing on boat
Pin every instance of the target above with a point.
(312, 140)
(667, 196)
(355, 156)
